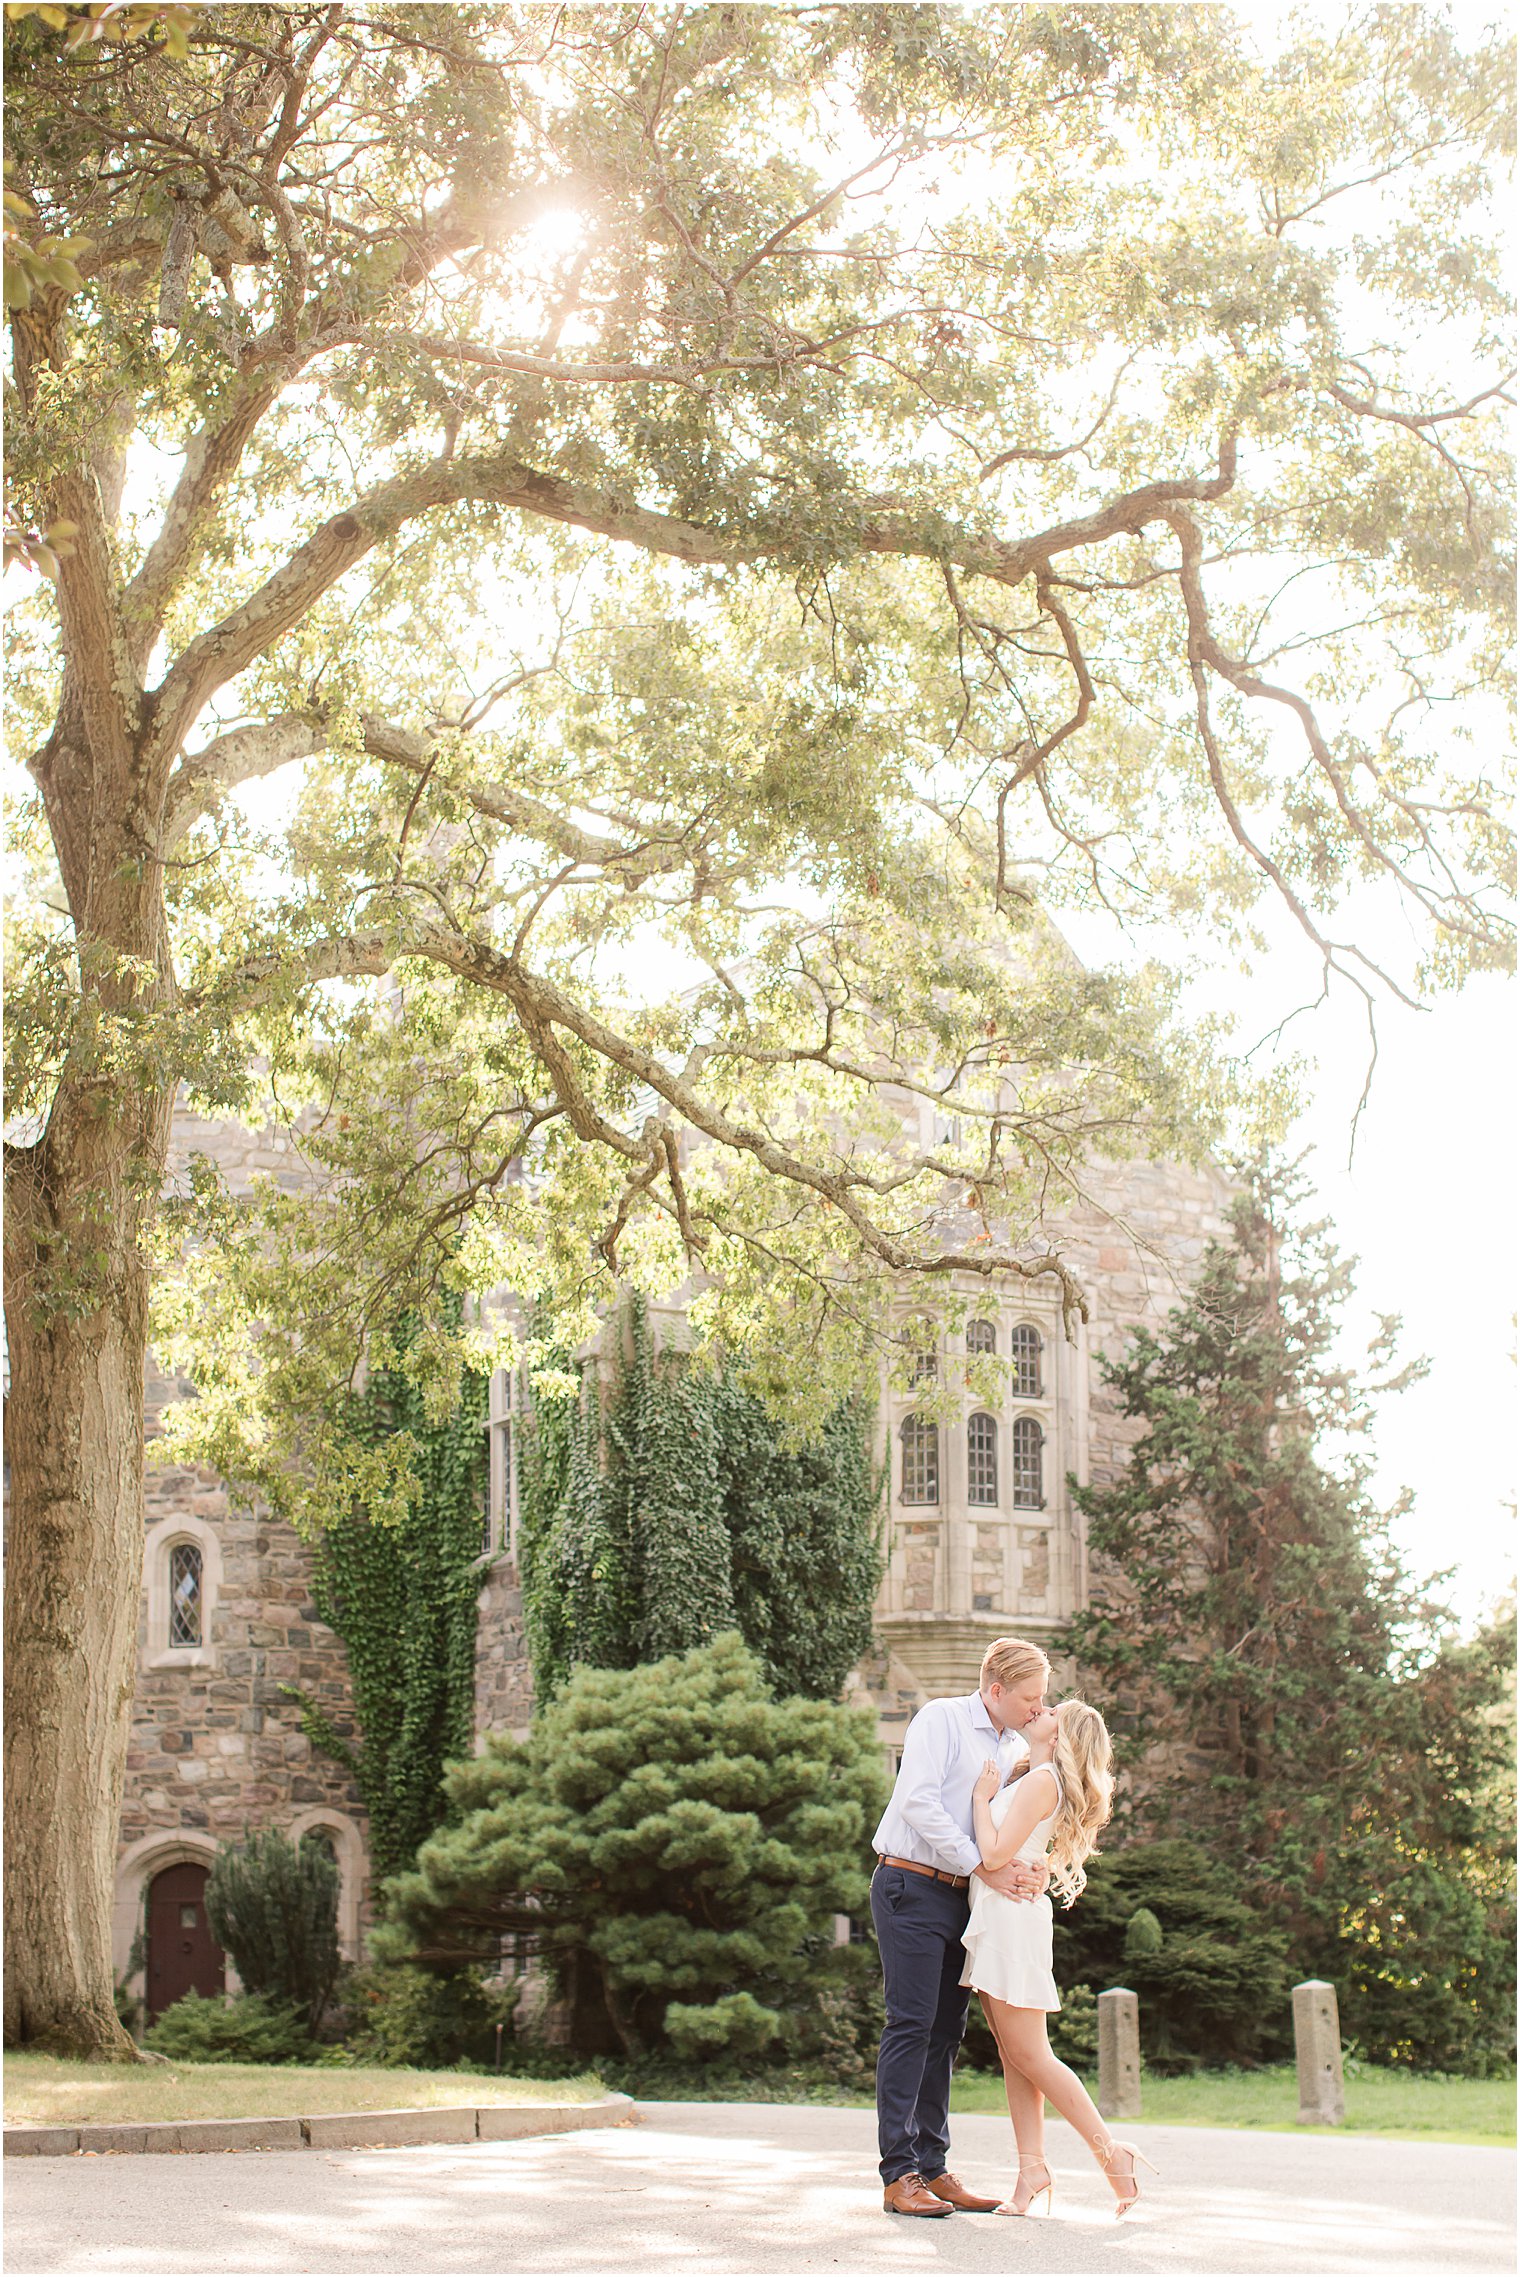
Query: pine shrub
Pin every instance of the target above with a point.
(668, 1838)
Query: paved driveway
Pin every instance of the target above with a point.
(723, 2190)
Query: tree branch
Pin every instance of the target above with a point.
(216, 656)
(543, 1009)
(247, 753)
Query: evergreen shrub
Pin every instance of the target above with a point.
(1073, 2032)
(1209, 1969)
(249, 2030)
(667, 1837)
(273, 1905)
(401, 2014)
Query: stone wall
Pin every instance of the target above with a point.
(217, 1745)
(503, 1678)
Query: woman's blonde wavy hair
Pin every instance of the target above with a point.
(1084, 1763)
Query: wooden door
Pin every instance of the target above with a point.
(183, 1956)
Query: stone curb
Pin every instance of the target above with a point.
(329, 2130)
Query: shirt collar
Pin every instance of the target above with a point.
(981, 1721)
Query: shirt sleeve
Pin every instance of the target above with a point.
(928, 1754)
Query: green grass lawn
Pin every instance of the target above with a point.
(42, 2091)
(1433, 2110)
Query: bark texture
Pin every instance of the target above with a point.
(75, 1567)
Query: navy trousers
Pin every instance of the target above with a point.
(918, 1927)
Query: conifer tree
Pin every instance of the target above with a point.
(1252, 1618)
(274, 1905)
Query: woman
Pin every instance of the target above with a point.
(1058, 1802)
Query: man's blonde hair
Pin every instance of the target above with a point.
(1009, 1660)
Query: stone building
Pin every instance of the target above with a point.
(981, 1534)
(226, 1625)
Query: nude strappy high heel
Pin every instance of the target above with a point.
(1045, 2190)
(1106, 2154)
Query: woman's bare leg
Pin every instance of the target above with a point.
(1026, 2108)
(1022, 2041)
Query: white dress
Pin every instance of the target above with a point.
(1008, 1940)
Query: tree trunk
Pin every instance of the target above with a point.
(75, 1441)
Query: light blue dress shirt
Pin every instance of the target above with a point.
(929, 1819)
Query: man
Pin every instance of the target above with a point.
(926, 1855)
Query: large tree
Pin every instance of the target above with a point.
(616, 562)
(1254, 1623)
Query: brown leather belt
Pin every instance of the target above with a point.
(908, 1866)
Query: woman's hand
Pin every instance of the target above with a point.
(989, 1779)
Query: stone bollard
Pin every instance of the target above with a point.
(1317, 2037)
(1119, 2054)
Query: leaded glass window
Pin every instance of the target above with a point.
(981, 1336)
(920, 1459)
(923, 1366)
(1026, 1361)
(1028, 1464)
(184, 1594)
(981, 1459)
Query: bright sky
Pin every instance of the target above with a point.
(1427, 1203)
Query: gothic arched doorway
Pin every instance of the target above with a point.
(183, 1956)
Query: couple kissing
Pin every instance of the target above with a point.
(999, 1796)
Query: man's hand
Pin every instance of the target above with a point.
(1016, 1879)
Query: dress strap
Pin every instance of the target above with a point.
(1055, 1774)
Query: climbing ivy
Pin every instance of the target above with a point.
(672, 1513)
(401, 1593)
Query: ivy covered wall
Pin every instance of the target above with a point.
(401, 1594)
(658, 1519)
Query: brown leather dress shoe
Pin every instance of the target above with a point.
(907, 2195)
(953, 2191)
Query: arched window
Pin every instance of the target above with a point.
(1028, 1465)
(981, 1459)
(1026, 1361)
(923, 1364)
(185, 1596)
(981, 1336)
(341, 1839)
(182, 1579)
(920, 1459)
